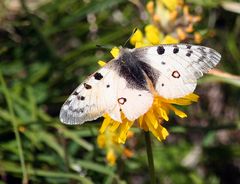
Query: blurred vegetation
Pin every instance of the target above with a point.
(48, 47)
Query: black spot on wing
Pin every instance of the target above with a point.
(122, 100)
(75, 93)
(175, 50)
(81, 98)
(87, 86)
(160, 50)
(176, 74)
(98, 76)
(67, 102)
(189, 53)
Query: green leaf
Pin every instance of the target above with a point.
(14, 168)
(73, 136)
(103, 169)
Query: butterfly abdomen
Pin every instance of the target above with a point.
(134, 71)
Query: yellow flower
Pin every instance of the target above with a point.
(169, 40)
(181, 34)
(101, 63)
(111, 158)
(115, 52)
(197, 37)
(150, 121)
(150, 7)
(137, 37)
(171, 4)
(153, 35)
(101, 141)
(108, 141)
(172, 17)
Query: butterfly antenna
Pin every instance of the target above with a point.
(103, 47)
(134, 31)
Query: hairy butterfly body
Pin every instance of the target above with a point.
(129, 82)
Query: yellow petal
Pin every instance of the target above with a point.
(115, 52)
(169, 40)
(127, 152)
(193, 97)
(173, 15)
(136, 37)
(111, 157)
(164, 133)
(189, 28)
(160, 108)
(143, 44)
(186, 100)
(181, 34)
(125, 126)
(198, 37)
(152, 119)
(138, 44)
(102, 63)
(130, 134)
(140, 121)
(170, 4)
(101, 140)
(178, 112)
(160, 133)
(150, 7)
(164, 114)
(153, 38)
(105, 124)
(142, 124)
(152, 34)
(151, 28)
(114, 126)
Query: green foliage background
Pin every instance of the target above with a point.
(48, 47)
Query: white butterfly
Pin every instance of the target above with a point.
(129, 82)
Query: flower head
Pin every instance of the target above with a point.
(173, 19)
(108, 140)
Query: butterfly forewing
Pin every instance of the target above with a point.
(179, 65)
(91, 99)
(105, 92)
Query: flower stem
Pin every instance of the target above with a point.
(150, 157)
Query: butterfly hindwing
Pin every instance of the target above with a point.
(179, 66)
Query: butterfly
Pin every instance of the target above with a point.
(127, 84)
